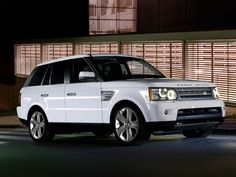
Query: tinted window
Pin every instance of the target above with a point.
(120, 68)
(46, 79)
(77, 66)
(58, 73)
(37, 75)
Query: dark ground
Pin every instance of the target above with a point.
(85, 155)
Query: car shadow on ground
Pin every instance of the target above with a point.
(91, 141)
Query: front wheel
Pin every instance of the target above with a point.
(198, 133)
(39, 127)
(129, 125)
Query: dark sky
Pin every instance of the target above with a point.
(33, 19)
(43, 18)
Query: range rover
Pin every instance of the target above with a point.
(119, 94)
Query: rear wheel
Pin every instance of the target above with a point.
(198, 133)
(39, 127)
(129, 125)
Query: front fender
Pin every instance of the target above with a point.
(139, 98)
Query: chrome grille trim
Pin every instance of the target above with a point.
(194, 93)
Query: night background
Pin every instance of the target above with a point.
(32, 22)
(27, 19)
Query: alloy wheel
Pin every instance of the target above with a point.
(126, 124)
(37, 125)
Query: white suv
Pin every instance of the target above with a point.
(118, 94)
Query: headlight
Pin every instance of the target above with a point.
(162, 94)
(216, 94)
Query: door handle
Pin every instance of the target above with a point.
(71, 94)
(44, 95)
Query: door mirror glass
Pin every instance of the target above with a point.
(86, 76)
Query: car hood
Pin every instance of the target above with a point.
(161, 82)
(164, 82)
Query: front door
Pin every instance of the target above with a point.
(82, 97)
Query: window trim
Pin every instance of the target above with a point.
(68, 72)
(50, 80)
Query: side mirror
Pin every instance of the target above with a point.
(86, 76)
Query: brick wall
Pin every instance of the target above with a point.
(9, 94)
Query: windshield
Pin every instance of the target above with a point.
(121, 68)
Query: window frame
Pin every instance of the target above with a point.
(92, 60)
(68, 71)
(50, 66)
(50, 80)
(28, 81)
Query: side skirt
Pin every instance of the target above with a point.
(79, 127)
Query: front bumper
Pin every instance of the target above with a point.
(180, 125)
(164, 111)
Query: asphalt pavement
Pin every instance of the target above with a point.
(84, 155)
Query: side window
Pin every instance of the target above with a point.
(46, 79)
(76, 67)
(37, 75)
(112, 70)
(57, 76)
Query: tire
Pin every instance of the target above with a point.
(198, 133)
(102, 134)
(129, 125)
(39, 127)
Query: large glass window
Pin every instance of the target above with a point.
(54, 51)
(165, 56)
(26, 58)
(214, 62)
(199, 61)
(112, 16)
(96, 48)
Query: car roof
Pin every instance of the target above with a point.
(83, 56)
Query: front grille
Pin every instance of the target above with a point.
(195, 93)
(196, 114)
(199, 111)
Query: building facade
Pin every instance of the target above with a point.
(182, 38)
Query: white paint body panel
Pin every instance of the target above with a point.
(85, 106)
(153, 111)
(53, 105)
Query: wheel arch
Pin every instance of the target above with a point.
(33, 108)
(125, 102)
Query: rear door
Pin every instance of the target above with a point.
(82, 97)
(52, 92)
